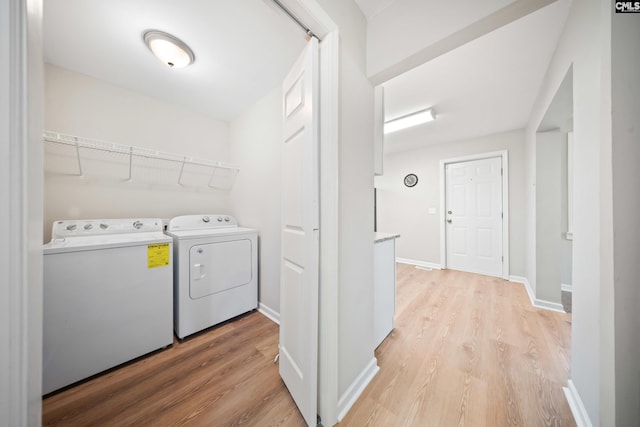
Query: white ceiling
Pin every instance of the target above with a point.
(372, 7)
(484, 87)
(243, 48)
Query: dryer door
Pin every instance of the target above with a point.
(216, 267)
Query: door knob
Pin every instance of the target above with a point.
(449, 221)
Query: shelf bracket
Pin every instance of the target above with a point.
(184, 160)
(213, 172)
(80, 174)
(130, 164)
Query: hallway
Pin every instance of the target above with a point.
(468, 350)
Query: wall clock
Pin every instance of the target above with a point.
(410, 180)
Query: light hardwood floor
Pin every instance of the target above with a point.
(467, 350)
(223, 377)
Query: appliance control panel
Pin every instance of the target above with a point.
(95, 227)
(201, 222)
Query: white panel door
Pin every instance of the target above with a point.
(300, 218)
(473, 203)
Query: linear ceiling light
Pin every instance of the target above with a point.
(413, 119)
(168, 49)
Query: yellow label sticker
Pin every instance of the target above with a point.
(158, 255)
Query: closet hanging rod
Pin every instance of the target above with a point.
(130, 150)
(295, 19)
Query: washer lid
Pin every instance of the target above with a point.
(73, 235)
(75, 244)
(67, 228)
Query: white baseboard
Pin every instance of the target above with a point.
(527, 287)
(538, 303)
(578, 410)
(417, 263)
(356, 388)
(548, 305)
(269, 313)
(566, 288)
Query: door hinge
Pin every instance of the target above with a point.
(501, 171)
(502, 215)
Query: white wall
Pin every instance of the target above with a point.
(355, 311)
(80, 105)
(557, 251)
(255, 143)
(566, 246)
(356, 222)
(549, 215)
(584, 43)
(405, 210)
(625, 69)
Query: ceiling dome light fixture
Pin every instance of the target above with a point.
(168, 49)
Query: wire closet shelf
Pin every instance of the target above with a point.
(221, 175)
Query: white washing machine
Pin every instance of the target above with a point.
(215, 272)
(108, 296)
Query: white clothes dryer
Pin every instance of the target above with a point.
(215, 271)
(107, 296)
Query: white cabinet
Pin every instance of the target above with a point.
(384, 280)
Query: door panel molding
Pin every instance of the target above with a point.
(504, 155)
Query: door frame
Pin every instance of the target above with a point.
(504, 155)
(21, 123)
